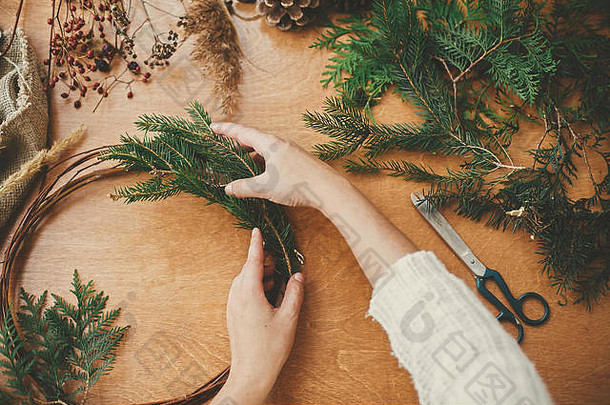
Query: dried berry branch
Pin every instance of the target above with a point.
(91, 38)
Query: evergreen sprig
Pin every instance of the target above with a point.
(476, 70)
(64, 348)
(186, 156)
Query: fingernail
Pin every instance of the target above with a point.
(299, 277)
(255, 231)
(228, 189)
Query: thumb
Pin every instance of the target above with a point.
(250, 187)
(293, 297)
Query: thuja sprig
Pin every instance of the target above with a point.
(63, 350)
(475, 71)
(186, 156)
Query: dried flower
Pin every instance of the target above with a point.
(217, 48)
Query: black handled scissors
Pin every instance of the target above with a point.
(482, 273)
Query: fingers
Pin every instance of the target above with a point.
(245, 136)
(251, 187)
(293, 297)
(253, 268)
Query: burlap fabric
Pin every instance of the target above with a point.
(23, 118)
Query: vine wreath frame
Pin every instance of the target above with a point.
(77, 175)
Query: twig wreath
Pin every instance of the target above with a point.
(182, 156)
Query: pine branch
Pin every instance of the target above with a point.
(186, 156)
(476, 71)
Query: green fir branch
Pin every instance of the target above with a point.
(475, 71)
(185, 156)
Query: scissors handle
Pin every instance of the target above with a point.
(515, 303)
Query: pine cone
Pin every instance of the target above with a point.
(286, 14)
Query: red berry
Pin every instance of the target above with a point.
(90, 53)
(147, 75)
(70, 60)
(45, 62)
(100, 90)
(50, 21)
(73, 73)
(95, 86)
(64, 95)
(130, 95)
(77, 104)
(105, 94)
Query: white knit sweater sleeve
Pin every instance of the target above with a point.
(454, 348)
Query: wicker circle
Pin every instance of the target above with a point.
(76, 175)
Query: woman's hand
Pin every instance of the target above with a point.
(260, 335)
(292, 176)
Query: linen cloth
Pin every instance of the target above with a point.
(23, 118)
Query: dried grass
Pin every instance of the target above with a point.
(216, 49)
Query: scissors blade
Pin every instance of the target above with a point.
(449, 235)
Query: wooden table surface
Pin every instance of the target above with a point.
(169, 265)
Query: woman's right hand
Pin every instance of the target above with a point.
(292, 176)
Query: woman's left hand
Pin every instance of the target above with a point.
(260, 335)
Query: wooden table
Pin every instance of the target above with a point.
(169, 265)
